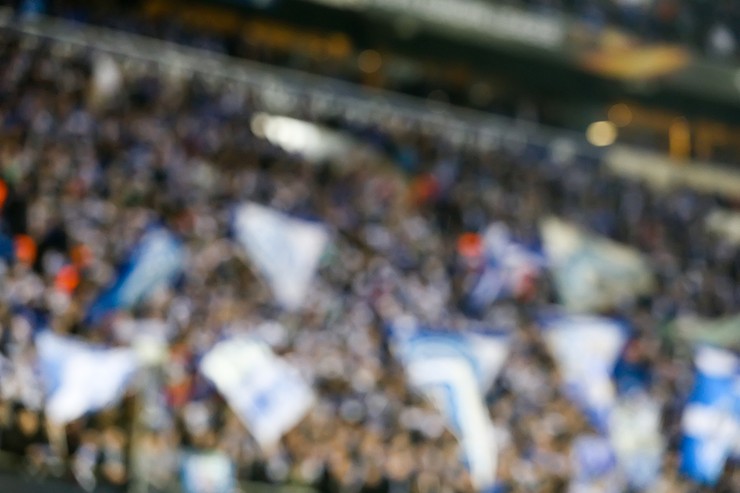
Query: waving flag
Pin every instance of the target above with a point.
(586, 349)
(80, 377)
(454, 371)
(593, 273)
(285, 250)
(711, 420)
(268, 394)
(157, 260)
(509, 267)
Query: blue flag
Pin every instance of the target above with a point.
(508, 266)
(711, 420)
(157, 260)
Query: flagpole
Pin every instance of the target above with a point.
(152, 354)
(138, 481)
(57, 434)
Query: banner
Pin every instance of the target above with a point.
(586, 349)
(80, 377)
(711, 419)
(454, 371)
(156, 261)
(509, 267)
(207, 472)
(268, 394)
(593, 273)
(285, 250)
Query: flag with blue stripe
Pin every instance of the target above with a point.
(156, 261)
(586, 349)
(508, 266)
(269, 395)
(711, 419)
(80, 377)
(454, 370)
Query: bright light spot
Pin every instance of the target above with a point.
(601, 134)
(369, 61)
(301, 137)
(620, 114)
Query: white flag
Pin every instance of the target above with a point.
(591, 272)
(81, 377)
(268, 394)
(586, 349)
(286, 250)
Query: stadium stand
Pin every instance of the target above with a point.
(100, 140)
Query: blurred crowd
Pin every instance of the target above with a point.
(712, 26)
(81, 181)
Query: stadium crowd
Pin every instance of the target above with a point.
(81, 182)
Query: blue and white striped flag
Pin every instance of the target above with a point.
(454, 371)
(508, 267)
(80, 377)
(269, 395)
(157, 260)
(586, 348)
(711, 420)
